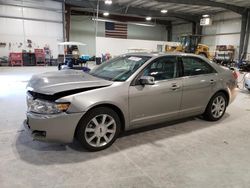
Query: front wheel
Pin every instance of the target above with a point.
(98, 129)
(216, 107)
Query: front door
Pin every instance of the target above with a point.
(156, 103)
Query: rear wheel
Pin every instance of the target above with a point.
(216, 107)
(98, 129)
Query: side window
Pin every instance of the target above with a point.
(162, 68)
(195, 66)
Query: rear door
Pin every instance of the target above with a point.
(150, 104)
(199, 79)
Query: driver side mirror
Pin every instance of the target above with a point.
(147, 80)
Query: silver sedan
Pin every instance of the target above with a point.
(127, 92)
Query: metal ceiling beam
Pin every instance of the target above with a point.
(117, 17)
(118, 9)
(146, 12)
(237, 9)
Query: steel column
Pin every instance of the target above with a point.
(194, 26)
(63, 19)
(246, 41)
(169, 32)
(242, 33)
(67, 20)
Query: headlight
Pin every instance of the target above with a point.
(46, 107)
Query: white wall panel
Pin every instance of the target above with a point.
(36, 3)
(42, 14)
(41, 3)
(11, 27)
(10, 11)
(39, 29)
(41, 33)
(212, 41)
(225, 16)
(15, 11)
(225, 30)
(218, 27)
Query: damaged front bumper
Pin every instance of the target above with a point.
(56, 128)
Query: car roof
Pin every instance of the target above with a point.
(160, 54)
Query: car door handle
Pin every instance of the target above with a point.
(212, 81)
(175, 86)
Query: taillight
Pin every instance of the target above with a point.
(235, 75)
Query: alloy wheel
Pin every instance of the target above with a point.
(100, 130)
(218, 106)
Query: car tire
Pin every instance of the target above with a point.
(98, 129)
(216, 107)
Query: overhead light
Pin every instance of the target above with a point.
(205, 16)
(148, 18)
(131, 23)
(108, 2)
(164, 11)
(105, 14)
(142, 24)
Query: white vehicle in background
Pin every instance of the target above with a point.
(247, 81)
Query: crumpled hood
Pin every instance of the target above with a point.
(65, 80)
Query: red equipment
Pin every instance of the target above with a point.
(15, 59)
(40, 57)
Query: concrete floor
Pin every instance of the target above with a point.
(192, 153)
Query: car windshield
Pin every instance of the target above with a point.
(120, 68)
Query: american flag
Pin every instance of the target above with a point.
(116, 30)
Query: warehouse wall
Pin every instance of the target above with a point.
(83, 30)
(120, 46)
(225, 30)
(17, 25)
(157, 33)
(181, 29)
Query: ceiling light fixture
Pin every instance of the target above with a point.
(105, 14)
(164, 11)
(108, 2)
(205, 16)
(131, 23)
(148, 18)
(142, 24)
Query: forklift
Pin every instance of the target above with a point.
(189, 44)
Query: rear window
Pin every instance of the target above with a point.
(196, 66)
